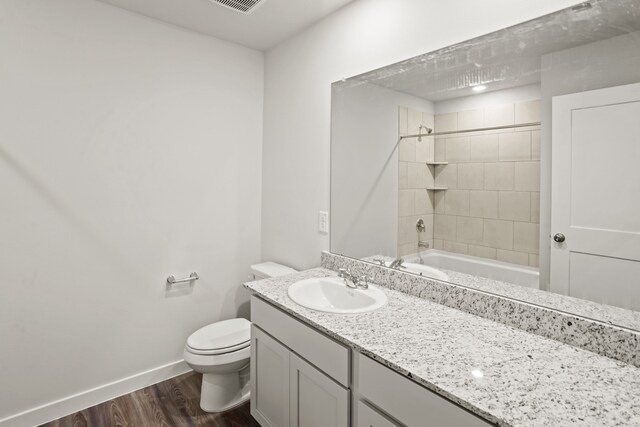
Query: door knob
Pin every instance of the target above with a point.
(559, 238)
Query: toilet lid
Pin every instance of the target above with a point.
(225, 335)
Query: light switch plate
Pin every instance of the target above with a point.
(323, 222)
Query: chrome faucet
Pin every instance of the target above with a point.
(396, 263)
(379, 261)
(352, 281)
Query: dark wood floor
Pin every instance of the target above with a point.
(175, 402)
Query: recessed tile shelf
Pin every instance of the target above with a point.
(437, 188)
(437, 163)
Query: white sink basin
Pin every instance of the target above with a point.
(422, 270)
(331, 295)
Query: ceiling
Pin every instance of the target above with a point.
(268, 24)
(507, 58)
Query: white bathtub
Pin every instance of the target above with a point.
(491, 269)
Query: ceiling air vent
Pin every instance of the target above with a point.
(244, 6)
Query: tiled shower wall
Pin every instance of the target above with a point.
(414, 202)
(491, 207)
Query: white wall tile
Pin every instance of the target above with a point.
(526, 237)
(527, 176)
(514, 205)
(438, 244)
(447, 176)
(471, 176)
(456, 202)
(483, 148)
(407, 150)
(402, 175)
(528, 111)
(410, 229)
(513, 257)
(425, 149)
(407, 249)
(402, 230)
(499, 115)
(428, 119)
(427, 176)
(440, 154)
(444, 227)
(499, 176)
(471, 119)
(470, 230)
(534, 260)
(535, 145)
(414, 120)
(427, 234)
(457, 149)
(515, 146)
(422, 203)
(438, 204)
(416, 175)
(405, 202)
(483, 204)
(482, 252)
(535, 207)
(498, 234)
(446, 122)
(455, 247)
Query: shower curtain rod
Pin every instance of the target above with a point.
(452, 132)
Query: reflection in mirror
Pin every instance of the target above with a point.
(442, 165)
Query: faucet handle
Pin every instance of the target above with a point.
(364, 282)
(342, 272)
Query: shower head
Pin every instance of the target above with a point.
(428, 130)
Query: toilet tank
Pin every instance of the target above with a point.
(268, 269)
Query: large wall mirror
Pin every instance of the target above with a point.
(508, 163)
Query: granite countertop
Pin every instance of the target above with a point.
(612, 315)
(526, 380)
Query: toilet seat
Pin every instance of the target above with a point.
(213, 351)
(221, 337)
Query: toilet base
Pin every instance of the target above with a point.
(221, 392)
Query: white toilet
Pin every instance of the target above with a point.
(221, 351)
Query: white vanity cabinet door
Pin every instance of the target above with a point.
(269, 380)
(406, 401)
(328, 355)
(369, 417)
(316, 400)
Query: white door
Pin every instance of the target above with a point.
(316, 400)
(595, 209)
(269, 380)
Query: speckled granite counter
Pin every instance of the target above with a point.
(527, 380)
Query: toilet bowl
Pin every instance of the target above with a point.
(221, 352)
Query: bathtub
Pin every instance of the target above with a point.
(491, 269)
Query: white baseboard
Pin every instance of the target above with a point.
(77, 402)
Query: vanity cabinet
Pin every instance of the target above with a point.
(288, 390)
(269, 380)
(300, 377)
(381, 391)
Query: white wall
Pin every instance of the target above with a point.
(129, 150)
(362, 36)
(610, 62)
(364, 167)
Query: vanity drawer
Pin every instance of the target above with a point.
(369, 417)
(326, 354)
(408, 402)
